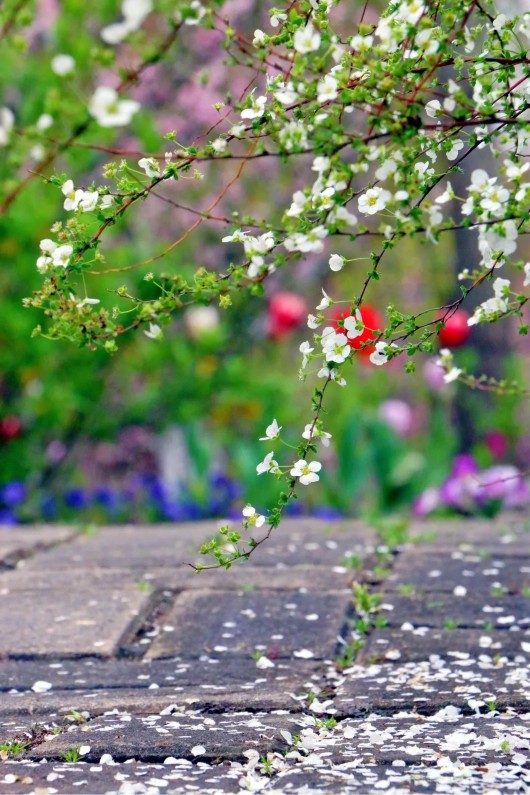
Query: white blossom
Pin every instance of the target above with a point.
(259, 38)
(335, 346)
(154, 332)
(267, 465)
(306, 39)
(380, 355)
(252, 518)
(312, 432)
(432, 108)
(373, 201)
(109, 110)
(457, 145)
(272, 432)
(353, 325)
(276, 19)
(326, 301)
(336, 262)
(307, 473)
(134, 12)
(333, 374)
(256, 109)
(73, 196)
(62, 64)
(327, 89)
(7, 120)
(44, 122)
(526, 275)
(88, 201)
(151, 166)
(61, 256)
(305, 350)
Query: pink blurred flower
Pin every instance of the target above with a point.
(497, 444)
(433, 375)
(398, 415)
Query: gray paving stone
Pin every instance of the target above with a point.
(420, 643)
(316, 542)
(442, 572)
(19, 542)
(55, 707)
(89, 621)
(476, 740)
(115, 779)
(218, 672)
(136, 547)
(297, 542)
(87, 687)
(155, 737)
(427, 686)
(354, 779)
(241, 577)
(282, 623)
(446, 610)
(508, 537)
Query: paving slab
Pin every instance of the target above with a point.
(469, 684)
(155, 737)
(447, 610)
(297, 542)
(128, 778)
(82, 621)
(419, 643)
(19, 542)
(289, 623)
(217, 672)
(474, 740)
(352, 778)
(317, 542)
(243, 577)
(421, 571)
(137, 546)
(508, 537)
(425, 707)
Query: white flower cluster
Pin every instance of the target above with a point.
(7, 121)
(256, 248)
(109, 110)
(134, 13)
(494, 307)
(59, 255)
(53, 254)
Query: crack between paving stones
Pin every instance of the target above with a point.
(158, 606)
(11, 561)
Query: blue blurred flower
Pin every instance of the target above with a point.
(106, 498)
(13, 493)
(327, 512)
(76, 498)
(8, 518)
(48, 507)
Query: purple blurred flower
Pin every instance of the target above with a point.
(461, 488)
(428, 501)
(464, 465)
(503, 483)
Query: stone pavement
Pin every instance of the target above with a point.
(329, 662)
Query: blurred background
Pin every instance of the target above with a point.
(168, 430)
